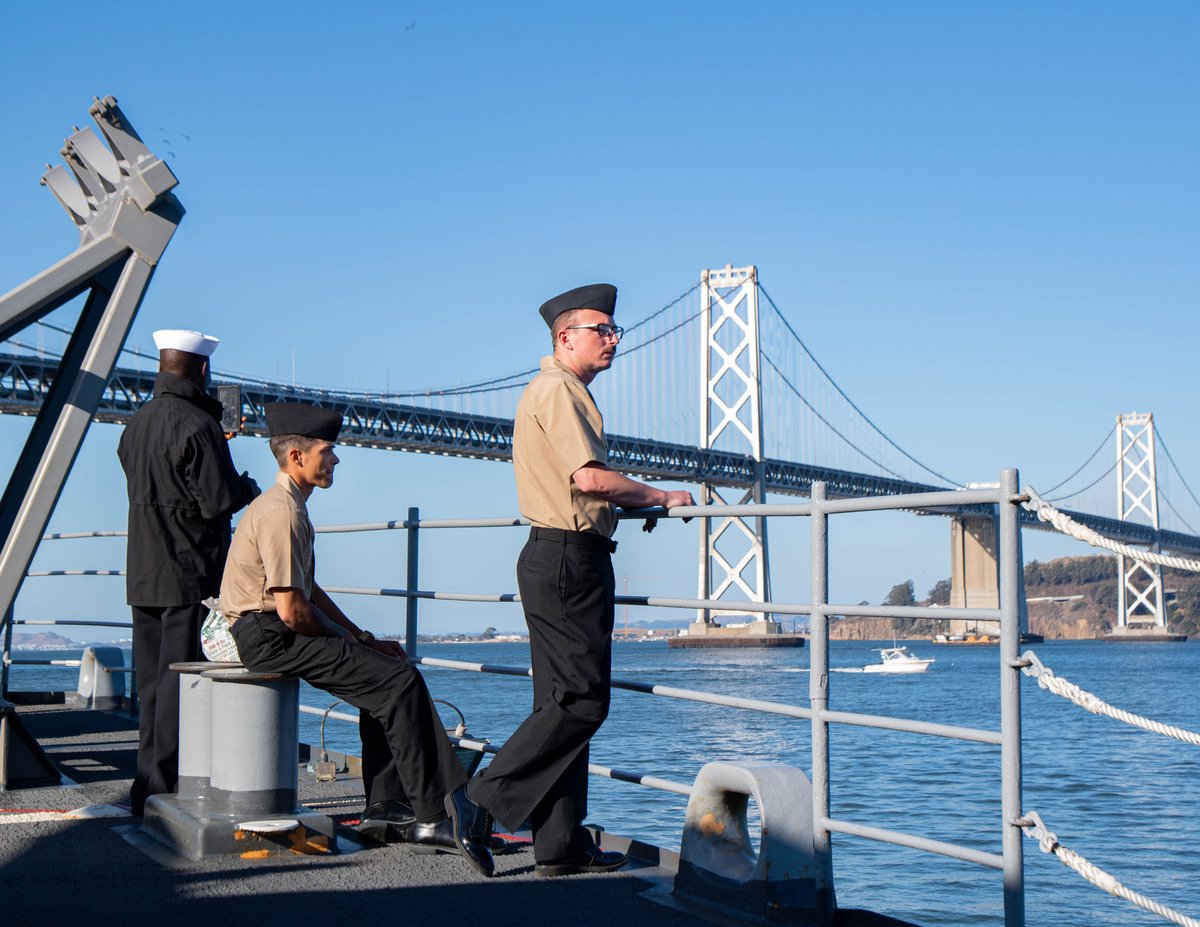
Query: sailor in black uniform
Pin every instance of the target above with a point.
(183, 488)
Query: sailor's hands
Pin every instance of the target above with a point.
(679, 497)
(388, 648)
(253, 491)
(672, 499)
(230, 435)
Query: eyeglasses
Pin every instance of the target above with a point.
(603, 329)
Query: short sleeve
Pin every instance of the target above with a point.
(575, 439)
(284, 549)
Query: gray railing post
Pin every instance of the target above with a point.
(1010, 700)
(410, 612)
(818, 694)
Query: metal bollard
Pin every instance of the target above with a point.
(718, 866)
(195, 727)
(240, 769)
(255, 727)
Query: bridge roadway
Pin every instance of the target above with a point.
(379, 423)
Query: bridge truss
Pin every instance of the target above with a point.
(372, 422)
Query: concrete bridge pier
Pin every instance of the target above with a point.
(974, 577)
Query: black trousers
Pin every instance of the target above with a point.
(540, 774)
(406, 753)
(161, 636)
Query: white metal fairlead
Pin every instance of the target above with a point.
(718, 865)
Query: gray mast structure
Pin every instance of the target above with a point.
(118, 195)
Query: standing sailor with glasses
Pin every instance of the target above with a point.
(565, 575)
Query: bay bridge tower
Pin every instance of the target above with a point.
(733, 549)
(1140, 586)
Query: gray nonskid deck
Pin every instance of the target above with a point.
(106, 870)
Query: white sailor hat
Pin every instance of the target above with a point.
(183, 339)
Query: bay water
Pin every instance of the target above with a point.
(1126, 799)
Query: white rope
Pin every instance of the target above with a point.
(1033, 827)
(1067, 525)
(1047, 680)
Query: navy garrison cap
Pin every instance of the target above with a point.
(599, 296)
(299, 418)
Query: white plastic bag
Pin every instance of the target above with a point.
(216, 639)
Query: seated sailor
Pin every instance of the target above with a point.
(283, 622)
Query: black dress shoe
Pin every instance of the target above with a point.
(593, 860)
(472, 828)
(440, 837)
(428, 838)
(387, 821)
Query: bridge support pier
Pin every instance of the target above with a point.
(974, 580)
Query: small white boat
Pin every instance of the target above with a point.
(898, 660)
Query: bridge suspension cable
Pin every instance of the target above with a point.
(842, 393)
(1163, 444)
(1080, 492)
(523, 375)
(1063, 483)
(788, 383)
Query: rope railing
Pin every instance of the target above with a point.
(1067, 525)
(1033, 826)
(1032, 666)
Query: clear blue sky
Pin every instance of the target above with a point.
(983, 220)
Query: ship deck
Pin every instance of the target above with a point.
(57, 869)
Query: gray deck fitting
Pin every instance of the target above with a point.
(194, 830)
(23, 762)
(719, 869)
(239, 771)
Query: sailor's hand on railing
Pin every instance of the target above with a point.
(389, 648)
(679, 497)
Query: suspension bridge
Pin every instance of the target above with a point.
(769, 417)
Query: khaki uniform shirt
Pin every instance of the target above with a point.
(272, 549)
(558, 429)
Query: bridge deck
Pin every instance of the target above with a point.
(380, 423)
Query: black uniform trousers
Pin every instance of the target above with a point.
(405, 751)
(540, 774)
(161, 636)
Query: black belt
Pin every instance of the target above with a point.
(582, 538)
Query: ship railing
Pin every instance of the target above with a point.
(7, 660)
(1004, 496)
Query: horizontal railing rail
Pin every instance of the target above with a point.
(7, 659)
(912, 612)
(950, 731)
(595, 769)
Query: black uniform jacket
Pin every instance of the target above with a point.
(183, 489)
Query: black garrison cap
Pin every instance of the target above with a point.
(299, 418)
(599, 296)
